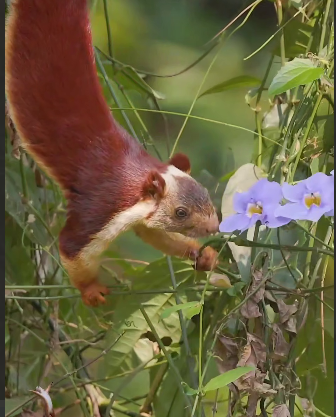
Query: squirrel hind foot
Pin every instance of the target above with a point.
(93, 294)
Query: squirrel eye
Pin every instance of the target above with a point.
(181, 213)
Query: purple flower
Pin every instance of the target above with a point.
(309, 199)
(331, 213)
(259, 203)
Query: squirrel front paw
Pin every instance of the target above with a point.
(93, 294)
(207, 260)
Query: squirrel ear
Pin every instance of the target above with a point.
(181, 162)
(154, 186)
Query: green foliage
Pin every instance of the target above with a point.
(236, 82)
(227, 378)
(295, 73)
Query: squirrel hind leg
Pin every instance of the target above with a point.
(93, 294)
(80, 257)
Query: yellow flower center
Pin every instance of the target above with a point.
(255, 208)
(313, 199)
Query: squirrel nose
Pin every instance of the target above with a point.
(212, 225)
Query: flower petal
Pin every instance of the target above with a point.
(267, 192)
(271, 220)
(315, 213)
(330, 213)
(252, 221)
(235, 222)
(294, 211)
(317, 182)
(241, 200)
(294, 193)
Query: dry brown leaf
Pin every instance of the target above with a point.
(281, 411)
(286, 311)
(290, 325)
(247, 357)
(253, 353)
(258, 347)
(230, 345)
(307, 407)
(280, 345)
(251, 309)
(252, 404)
(255, 384)
(226, 354)
(264, 390)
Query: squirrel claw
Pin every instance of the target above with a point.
(207, 261)
(93, 294)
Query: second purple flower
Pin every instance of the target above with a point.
(309, 199)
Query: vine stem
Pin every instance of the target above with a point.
(306, 134)
(193, 103)
(175, 370)
(282, 37)
(257, 111)
(324, 25)
(108, 29)
(182, 324)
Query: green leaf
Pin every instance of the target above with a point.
(227, 176)
(132, 350)
(188, 390)
(236, 82)
(130, 79)
(221, 381)
(314, 166)
(193, 311)
(293, 74)
(178, 307)
(236, 289)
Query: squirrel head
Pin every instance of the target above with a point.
(182, 204)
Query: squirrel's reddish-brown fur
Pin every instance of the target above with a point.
(110, 182)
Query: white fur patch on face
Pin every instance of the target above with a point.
(170, 177)
(176, 172)
(120, 223)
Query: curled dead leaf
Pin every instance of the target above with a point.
(43, 394)
(307, 407)
(281, 410)
(291, 325)
(286, 311)
(226, 354)
(220, 281)
(252, 403)
(251, 309)
(280, 345)
(259, 349)
(230, 345)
